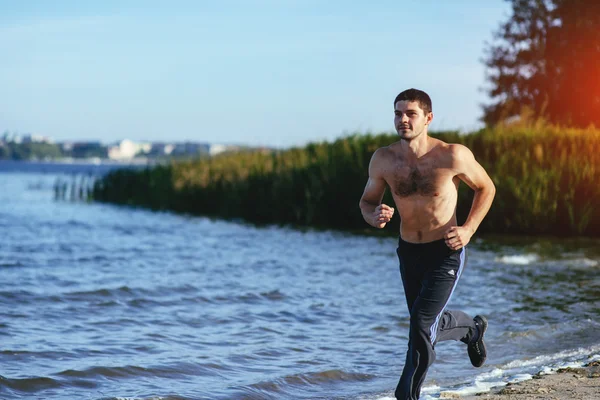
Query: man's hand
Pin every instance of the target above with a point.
(382, 215)
(457, 237)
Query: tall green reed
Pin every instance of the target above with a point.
(546, 179)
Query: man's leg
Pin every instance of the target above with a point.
(454, 324)
(408, 255)
(457, 325)
(442, 272)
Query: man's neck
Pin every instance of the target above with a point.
(417, 147)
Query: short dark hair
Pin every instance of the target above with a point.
(416, 95)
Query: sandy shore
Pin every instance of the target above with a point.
(566, 384)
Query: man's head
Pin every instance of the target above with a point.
(412, 113)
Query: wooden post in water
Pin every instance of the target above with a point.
(79, 187)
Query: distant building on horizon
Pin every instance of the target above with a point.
(127, 149)
(122, 150)
(215, 149)
(84, 149)
(18, 138)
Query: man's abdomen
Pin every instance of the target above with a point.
(425, 219)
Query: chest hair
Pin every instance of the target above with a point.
(416, 183)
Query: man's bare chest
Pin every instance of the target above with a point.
(427, 181)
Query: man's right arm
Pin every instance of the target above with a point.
(373, 211)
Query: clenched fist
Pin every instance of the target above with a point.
(382, 215)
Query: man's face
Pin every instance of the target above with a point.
(410, 119)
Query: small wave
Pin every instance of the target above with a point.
(100, 258)
(147, 398)
(106, 372)
(11, 264)
(30, 385)
(554, 357)
(104, 295)
(583, 262)
(101, 292)
(144, 302)
(527, 259)
(26, 354)
(19, 295)
(134, 297)
(521, 370)
(250, 297)
(308, 384)
(310, 379)
(518, 259)
(78, 224)
(273, 295)
(119, 322)
(175, 370)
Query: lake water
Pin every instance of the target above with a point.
(106, 302)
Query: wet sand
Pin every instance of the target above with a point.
(566, 384)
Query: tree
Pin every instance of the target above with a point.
(546, 58)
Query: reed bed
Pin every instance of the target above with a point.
(546, 179)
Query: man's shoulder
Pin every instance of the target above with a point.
(385, 152)
(453, 154)
(457, 150)
(383, 158)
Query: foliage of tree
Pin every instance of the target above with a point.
(29, 151)
(546, 59)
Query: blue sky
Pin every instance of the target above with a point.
(257, 72)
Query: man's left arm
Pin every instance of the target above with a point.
(473, 174)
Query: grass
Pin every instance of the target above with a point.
(546, 179)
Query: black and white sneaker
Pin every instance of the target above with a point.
(476, 349)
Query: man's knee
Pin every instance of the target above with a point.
(420, 327)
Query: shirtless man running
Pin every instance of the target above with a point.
(423, 174)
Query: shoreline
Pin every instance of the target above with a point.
(86, 161)
(581, 383)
